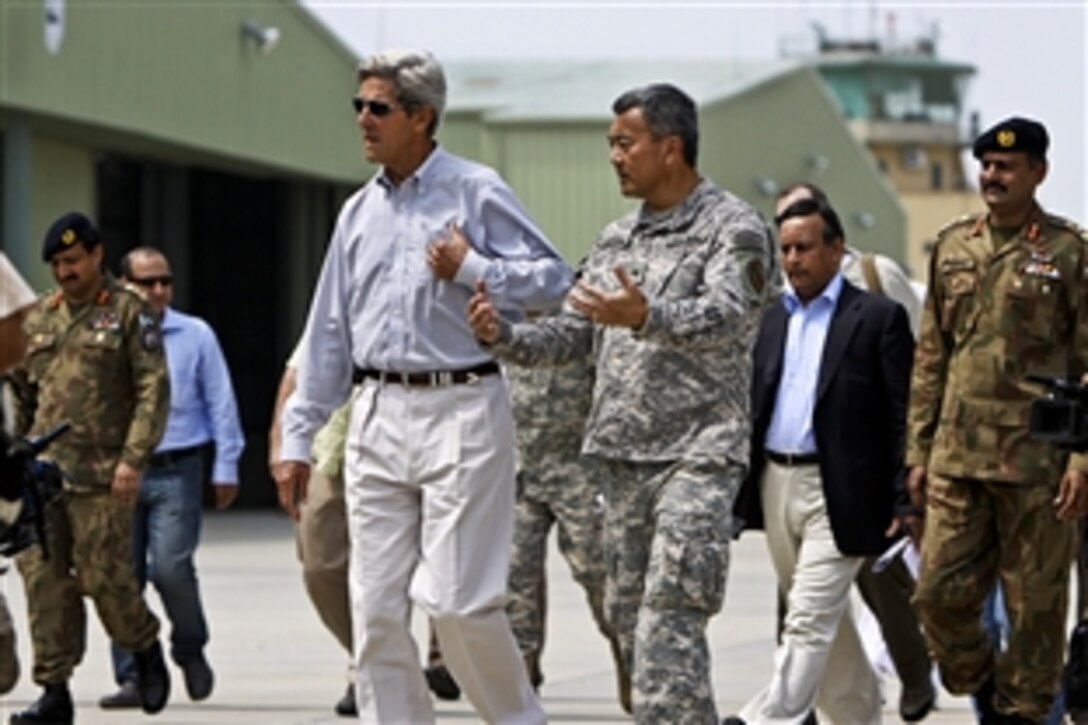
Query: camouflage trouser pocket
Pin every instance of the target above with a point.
(687, 575)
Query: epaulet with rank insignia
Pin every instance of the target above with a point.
(966, 219)
(51, 300)
(1070, 226)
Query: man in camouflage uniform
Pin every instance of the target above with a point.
(668, 306)
(555, 486)
(1008, 296)
(95, 360)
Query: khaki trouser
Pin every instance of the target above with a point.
(322, 540)
(979, 533)
(821, 661)
(90, 548)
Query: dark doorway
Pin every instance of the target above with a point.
(226, 237)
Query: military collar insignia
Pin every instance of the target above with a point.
(103, 297)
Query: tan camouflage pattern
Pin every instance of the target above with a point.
(976, 531)
(101, 367)
(997, 310)
(676, 389)
(992, 316)
(90, 545)
(9, 660)
(554, 487)
(667, 533)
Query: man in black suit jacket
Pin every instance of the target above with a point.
(829, 395)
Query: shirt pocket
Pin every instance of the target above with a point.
(1032, 306)
(959, 285)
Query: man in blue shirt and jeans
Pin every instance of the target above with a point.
(166, 522)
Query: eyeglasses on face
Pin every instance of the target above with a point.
(148, 282)
(376, 108)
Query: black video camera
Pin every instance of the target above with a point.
(1060, 417)
(27, 486)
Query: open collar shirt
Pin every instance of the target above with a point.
(379, 305)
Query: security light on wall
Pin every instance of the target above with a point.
(264, 37)
(817, 163)
(767, 186)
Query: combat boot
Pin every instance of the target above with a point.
(54, 707)
(152, 678)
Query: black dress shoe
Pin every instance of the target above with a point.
(345, 706)
(917, 713)
(128, 696)
(733, 720)
(54, 707)
(199, 678)
(442, 683)
(152, 678)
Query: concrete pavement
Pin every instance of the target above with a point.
(275, 663)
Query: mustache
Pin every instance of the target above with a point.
(993, 185)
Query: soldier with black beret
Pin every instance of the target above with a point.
(94, 360)
(1012, 135)
(1008, 297)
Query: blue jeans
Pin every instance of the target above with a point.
(995, 622)
(166, 529)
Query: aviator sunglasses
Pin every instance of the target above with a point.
(376, 108)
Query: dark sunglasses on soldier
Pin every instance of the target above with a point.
(165, 280)
(376, 108)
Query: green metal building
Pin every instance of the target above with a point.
(221, 132)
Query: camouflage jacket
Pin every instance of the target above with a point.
(550, 408)
(992, 316)
(100, 367)
(677, 388)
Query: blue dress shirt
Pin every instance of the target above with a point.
(377, 303)
(202, 405)
(790, 430)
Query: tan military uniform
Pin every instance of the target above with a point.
(997, 310)
(100, 367)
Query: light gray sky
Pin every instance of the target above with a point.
(1030, 55)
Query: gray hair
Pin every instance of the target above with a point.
(416, 75)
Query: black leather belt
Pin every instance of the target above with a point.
(793, 459)
(169, 458)
(431, 379)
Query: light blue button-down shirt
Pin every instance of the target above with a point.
(790, 430)
(202, 405)
(378, 304)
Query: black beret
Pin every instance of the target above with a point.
(1014, 134)
(69, 229)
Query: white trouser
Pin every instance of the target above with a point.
(821, 661)
(429, 475)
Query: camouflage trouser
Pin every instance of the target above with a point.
(574, 506)
(9, 661)
(667, 530)
(976, 533)
(90, 548)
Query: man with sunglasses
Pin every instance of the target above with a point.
(429, 460)
(94, 360)
(166, 527)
